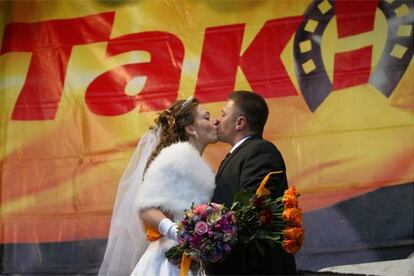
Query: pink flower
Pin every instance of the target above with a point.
(208, 233)
(201, 227)
(200, 209)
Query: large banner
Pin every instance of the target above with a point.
(81, 81)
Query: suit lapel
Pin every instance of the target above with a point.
(229, 156)
(223, 164)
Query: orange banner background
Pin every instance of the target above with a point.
(59, 176)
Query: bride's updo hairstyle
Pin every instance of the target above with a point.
(172, 122)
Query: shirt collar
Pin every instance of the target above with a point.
(239, 143)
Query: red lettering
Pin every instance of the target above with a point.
(106, 94)
(353, 67)
(356, 17)
(219, 61)
(51, 43)
(260, 63)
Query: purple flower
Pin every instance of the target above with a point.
(195, 241)
(201, 227)
(207, 232)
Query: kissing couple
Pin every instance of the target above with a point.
(167, 174)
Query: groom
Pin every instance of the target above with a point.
(241, 125)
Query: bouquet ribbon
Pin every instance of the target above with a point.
(185, 265)
(152, 235)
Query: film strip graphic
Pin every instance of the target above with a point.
(398, 49)
(395, 59)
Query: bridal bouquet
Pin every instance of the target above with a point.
(209, 231)
(206, 234)
(262, 219)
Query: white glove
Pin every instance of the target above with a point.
(168, 229)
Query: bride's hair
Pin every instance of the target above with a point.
(172, 122)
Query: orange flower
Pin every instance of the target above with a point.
(293, 216)
(291, 192)
(293, 239)
(290, 198)
(290, 201)
(291, 246)
(293, 233)
(262, 192)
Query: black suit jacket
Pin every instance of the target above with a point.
(244, 169)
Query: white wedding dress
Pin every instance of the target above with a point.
(175, 179)
(153, 261)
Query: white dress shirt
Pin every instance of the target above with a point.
(239, 143)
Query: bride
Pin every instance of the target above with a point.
(164, 177)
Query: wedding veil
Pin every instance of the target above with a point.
(127, 238)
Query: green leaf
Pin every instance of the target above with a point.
(242, 196)
(259, 247)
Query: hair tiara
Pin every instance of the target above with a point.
(186, 103)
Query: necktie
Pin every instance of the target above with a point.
(224, 160)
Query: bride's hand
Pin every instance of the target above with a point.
(157, 219)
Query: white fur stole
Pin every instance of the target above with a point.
(175, 179)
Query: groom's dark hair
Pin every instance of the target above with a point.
(253, 107)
